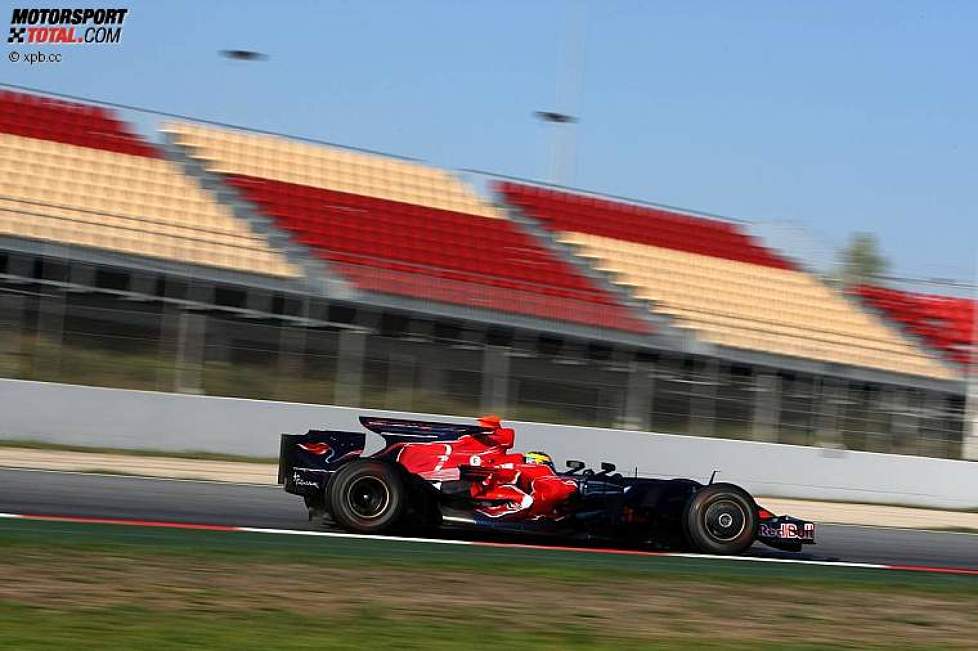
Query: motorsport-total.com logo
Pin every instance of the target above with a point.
(66, 26)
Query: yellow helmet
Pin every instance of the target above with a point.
(539, 457)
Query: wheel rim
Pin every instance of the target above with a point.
(725, 520)
(368, 497)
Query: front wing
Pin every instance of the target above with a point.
(785, 532)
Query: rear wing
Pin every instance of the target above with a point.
(317, 450)
(286, 455)
(320, 451)
(419, 430)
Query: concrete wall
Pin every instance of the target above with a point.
(94, 416)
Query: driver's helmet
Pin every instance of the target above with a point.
(492, 421)
(541, 458)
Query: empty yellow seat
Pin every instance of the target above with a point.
(132, 204)
(330, 168)
(743, 305)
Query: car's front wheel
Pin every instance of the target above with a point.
(721, 519)
(367, 497)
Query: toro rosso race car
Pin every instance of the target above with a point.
(431, 475)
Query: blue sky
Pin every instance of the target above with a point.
(841, 116)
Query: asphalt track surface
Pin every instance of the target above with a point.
(32, 492)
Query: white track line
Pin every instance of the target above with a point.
(485, 544)
(359, 536)
(221, 482)
(592, 550)
(790, 561)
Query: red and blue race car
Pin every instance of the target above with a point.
(431, 475)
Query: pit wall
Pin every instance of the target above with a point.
(120, 418)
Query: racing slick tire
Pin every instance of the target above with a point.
(368, 497)
(721, 519)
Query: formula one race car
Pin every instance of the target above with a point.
(431, 475)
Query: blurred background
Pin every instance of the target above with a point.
(740, 239)
(741, 224)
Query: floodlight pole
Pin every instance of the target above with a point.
(969, 443)
(568, 91)
(561, 146)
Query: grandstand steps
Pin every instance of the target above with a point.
(898, 330)
(684, 338)
(316, 273)
(790, 239)
(667, 333)
(356, 274)
(79, 184)
(323, 280)
(955, 350)
(405, 235)
(318, 276)
(741, 300)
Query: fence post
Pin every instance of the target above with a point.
(638, 397)
(827, 430)
(11, 334)
(969, 444)
(431, 371)
(49, 336)
(351, 353)
(191, 333)
(401, 367)
(905, 423)
(703, 405)
(767, 412)
(495, 379)
(291, 355)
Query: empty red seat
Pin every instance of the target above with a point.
(564, 211)
(45, 118)
(438, 255)
(946, 323)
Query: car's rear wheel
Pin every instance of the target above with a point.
(721, 519)
(367, 497)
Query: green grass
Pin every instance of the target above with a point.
(138, 628)
(85, 586)
(365, 628)
(574, 566)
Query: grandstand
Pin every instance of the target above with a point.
(399, 228)
(946, 323)
(217, 260)
(711, 277)
(76, 175)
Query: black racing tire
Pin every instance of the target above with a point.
(721, 519)
(368, 496)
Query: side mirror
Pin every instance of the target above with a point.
(607, 467)
(574, 465)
